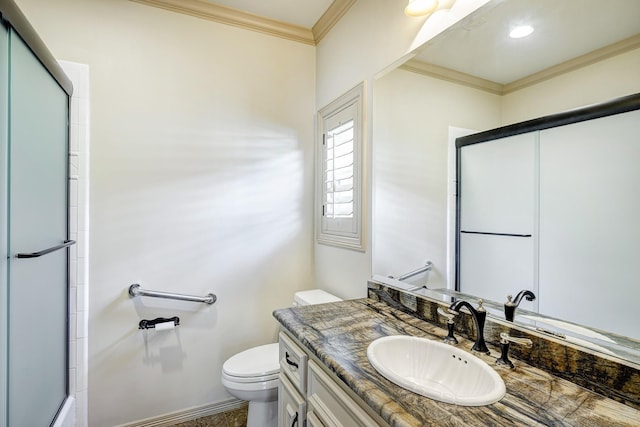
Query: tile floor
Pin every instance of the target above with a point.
(235, 418)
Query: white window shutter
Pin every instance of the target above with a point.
(339, 171)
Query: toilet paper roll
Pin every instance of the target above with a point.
(164, 326)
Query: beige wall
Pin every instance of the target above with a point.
(412, 115)
(368, 40)
(608, 79)
(201, 170)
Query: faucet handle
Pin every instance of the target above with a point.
(450, 338)
(505, 338)
(450, 315)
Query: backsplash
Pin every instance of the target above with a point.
(599, 373)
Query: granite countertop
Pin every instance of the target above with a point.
(338, 335)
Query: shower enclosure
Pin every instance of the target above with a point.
(34, 229)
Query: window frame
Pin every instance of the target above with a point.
(330, 231)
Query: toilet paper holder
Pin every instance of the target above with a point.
(151, 324)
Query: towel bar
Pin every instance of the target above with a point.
(136, 291)
(427, 267)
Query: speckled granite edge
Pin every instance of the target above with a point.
(338, 334)
(601, 374)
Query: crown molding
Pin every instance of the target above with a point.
(330, 18)
(454, 76)
(226, 15)
(597, 55)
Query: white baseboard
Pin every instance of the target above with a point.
(189, 414)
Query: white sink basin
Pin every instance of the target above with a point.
(436, 370)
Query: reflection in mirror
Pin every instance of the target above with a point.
(547, 71)
(605, 342)
(552, 205)
(417, 107)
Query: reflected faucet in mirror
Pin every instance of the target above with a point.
(510, 306)
(479, 316)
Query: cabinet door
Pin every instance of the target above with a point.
(293, 362)
(292, 408)
(313, 421)
(38, 297)
(589, 227)
(330, 405)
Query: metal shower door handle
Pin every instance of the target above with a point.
(62, 245)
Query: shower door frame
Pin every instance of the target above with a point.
(13, 21)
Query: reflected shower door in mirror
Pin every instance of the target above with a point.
(555, 210)
(471, 77)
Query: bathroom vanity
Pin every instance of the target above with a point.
(308, 392)
(327, 379)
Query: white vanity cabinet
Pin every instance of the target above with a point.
(292, 408)
(329, 406)
(292, 405)
(309, 396)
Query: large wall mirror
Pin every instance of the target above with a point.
(474, 78)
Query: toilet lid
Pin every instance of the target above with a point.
(257, 361)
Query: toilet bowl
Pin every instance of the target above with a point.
(252, 375)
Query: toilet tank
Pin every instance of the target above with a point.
(313, 296)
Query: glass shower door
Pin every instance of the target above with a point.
(38, 272)
(4, 256)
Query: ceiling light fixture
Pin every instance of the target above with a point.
(426, 7)
(521, 31)
(420, 7)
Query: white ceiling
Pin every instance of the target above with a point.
(479, 45)
(564, 29)
(304, 13)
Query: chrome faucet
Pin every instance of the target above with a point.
(505, 338)
(510, 306)
(479, 316)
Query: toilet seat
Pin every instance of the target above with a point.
(256, 379)
(259, 383)
(253, 365)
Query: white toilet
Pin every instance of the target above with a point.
(252, 374)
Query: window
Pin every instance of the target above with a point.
(339, 165)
